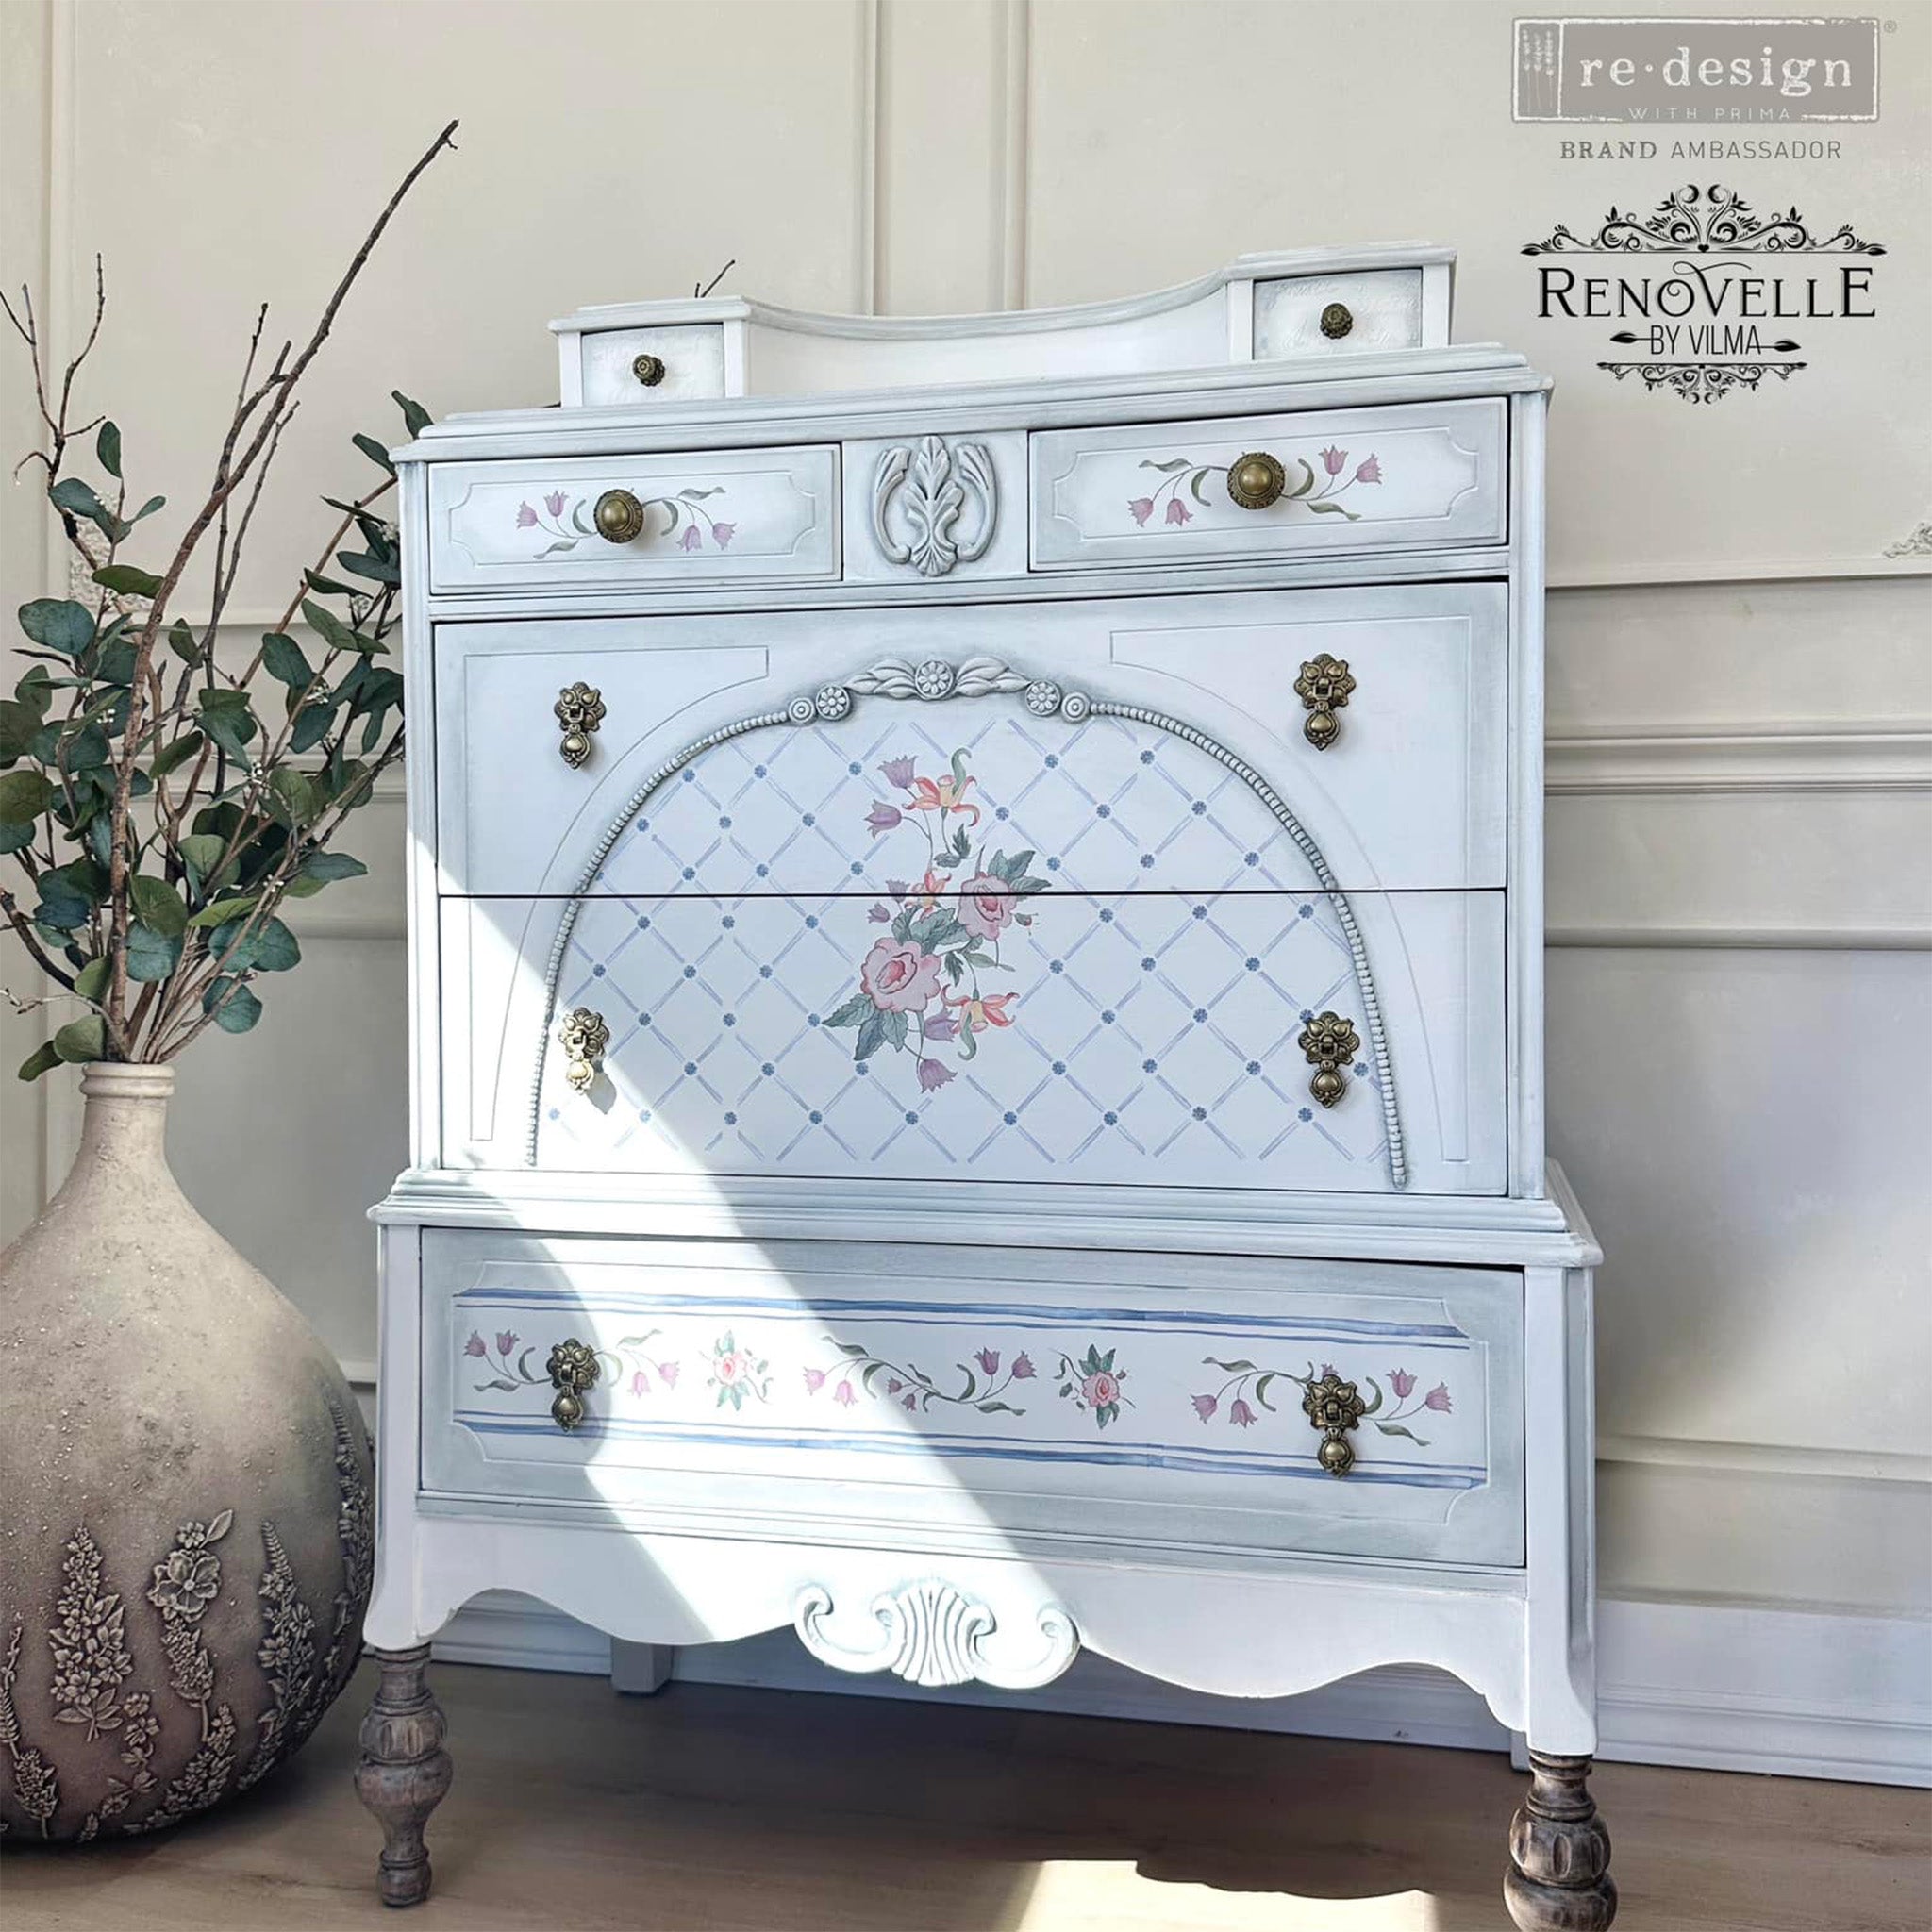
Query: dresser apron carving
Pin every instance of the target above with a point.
(977, 1013)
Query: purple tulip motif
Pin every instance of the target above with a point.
(1178, 512)
(722, 534)
(989, 1360)
(1183, 479)
(1333, 458)
(526, 517)
(1403, 1383)
(692, 538)
(553, 502)
(877, 915)
(505, 1341)
(933, 1075)
(1370, 472)
(1241, 1414)
(475, 1345)
(1023, 1366)
(814, 1380)
(1141, 509)
(1205, 1406)
(884, 817)
(898, 771)
(1437, 1399)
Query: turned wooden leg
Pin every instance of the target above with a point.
(404, 1771)
(1559, 1854)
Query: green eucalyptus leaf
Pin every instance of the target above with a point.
(327, 586)
(327, 866)
(69, 894)
(295, 793)
(282, 658)
(373, 451)
(78, 500)
(158, 904)
(235, 1010)
(201, 852)
(35, 689)
(183, 642)
(115, 665)
(107, 448)
(43, 1060)
(90, 982)
(379, 570)
(147, 510)
(223, 912)
(312, 725)
(82, 1040)
(226, 718)
(125, 580)
(151, 955)
(18, 723)
(416, 419)
(178, 754)
(15, 839)
(59, 625)
(337, 635)
(23, 796)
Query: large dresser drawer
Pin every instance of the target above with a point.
(1156, 1038)
(1129, 1401)
(1132, 745)
(1431, 473)
(712, 517)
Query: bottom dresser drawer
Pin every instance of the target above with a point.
(1121, 1401)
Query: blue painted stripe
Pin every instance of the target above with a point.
(1147, 1456)
(934, 1312)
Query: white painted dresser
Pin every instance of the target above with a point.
(978, 1068)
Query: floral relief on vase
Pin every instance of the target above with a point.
(565, 521)
(1183, 477)
(1242, 1399)
(928, 982)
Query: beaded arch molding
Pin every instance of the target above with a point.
(933, 682)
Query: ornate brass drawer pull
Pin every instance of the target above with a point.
(618, 516)
(1323, 688)
(1334, 1406)
(1330, 1041)
(1336, 320)
(571, 1369)
(580, 710)
(1256, 480)
(649, 370)
(583, 1037)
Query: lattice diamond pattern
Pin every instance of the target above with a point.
(1108, 805)
(1152, 1037)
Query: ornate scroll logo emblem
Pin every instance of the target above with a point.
(921, 491)
(1706, 319)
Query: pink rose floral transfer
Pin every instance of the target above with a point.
(924, 986)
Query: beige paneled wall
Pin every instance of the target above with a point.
(1740, 990)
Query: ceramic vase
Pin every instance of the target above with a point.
(185, 1500)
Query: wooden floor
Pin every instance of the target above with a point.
(721, 1811)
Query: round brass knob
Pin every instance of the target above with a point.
(649, 370)
(1255, 480)
(1336, 320)
(618, 516)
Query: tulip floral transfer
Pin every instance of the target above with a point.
(1319, 491)
(927, 983)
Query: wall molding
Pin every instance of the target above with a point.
(1722, 1686)
(1864, 757)
(1766, 1458)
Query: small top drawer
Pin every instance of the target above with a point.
(1342, 314)
(1267, 486)
(573, 522)
(671, 364)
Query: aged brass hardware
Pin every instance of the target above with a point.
(649, 370)
(571, 1369)
(1323, 688)
(580, 710)
(1329, 1040)
(1256, 479)
(1336, 320)
(583, 1037)
(618, 516)
(1334, 1406)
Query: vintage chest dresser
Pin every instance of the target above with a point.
(975, 895)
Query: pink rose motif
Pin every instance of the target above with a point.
(987, 904)
(1100, 1390)
(877, 915)
(526, 517)
(1178, 512)
(667, 1374)
(898, 771)
(1240, 1413)
(1402, 1382)
(690, 540)
(883, 817)
(1204, 1406)
(844, 1396)
(989, 1360)
(1370, 472)
(933, 1075)
(898, 977)
(814, 1380)
(476, 1344)
(941, 1026)
(1140, 509)
(1023, 1366)
(1437, 1398)
(1333, 458)
(639, 1383)
(553, 502)
(723, 534)
(505, 1341)
(729, 1368)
